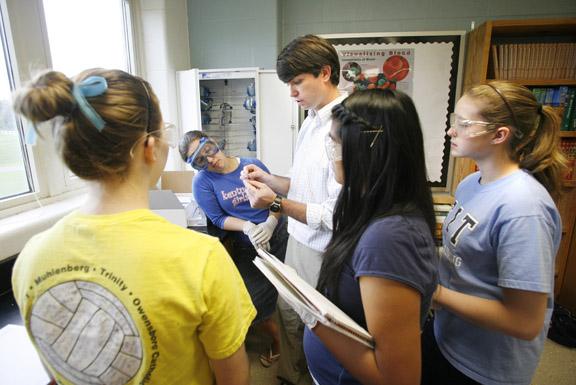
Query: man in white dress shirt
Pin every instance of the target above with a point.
(309, 66)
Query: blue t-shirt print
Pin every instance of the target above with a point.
(224, 195)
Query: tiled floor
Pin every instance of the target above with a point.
(557, 366)
(9, 313)
(256, 344)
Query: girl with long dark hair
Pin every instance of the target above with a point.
(380, 266)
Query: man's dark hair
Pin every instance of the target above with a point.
(307, 55)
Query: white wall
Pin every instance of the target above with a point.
(234, 33)
(251, 33)
(339, 16)
(165, 49)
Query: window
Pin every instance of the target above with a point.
(14, 170)
(78, 34)
(85, 34)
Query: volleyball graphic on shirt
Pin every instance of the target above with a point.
(86, 334)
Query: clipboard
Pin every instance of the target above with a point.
(295, 289)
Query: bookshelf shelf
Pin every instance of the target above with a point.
(480, 68)
(542, 82)
(534, 27)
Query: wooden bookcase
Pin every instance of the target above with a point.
(478, 70)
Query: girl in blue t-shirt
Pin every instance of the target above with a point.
(221, 194)
(495, 297)
(380, 267)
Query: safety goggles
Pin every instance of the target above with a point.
(333, 150)
(169, 136)
(465, 128)
(206, 148)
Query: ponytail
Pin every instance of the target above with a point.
(535, 128)
(541, 154)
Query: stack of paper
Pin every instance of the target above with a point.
(295, 289)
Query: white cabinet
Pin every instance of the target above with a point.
(247, 110)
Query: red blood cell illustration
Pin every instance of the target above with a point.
(396, 68)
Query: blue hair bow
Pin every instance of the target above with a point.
(91, 86)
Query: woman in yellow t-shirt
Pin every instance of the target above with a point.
(114, 293)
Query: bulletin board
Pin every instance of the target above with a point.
(427, 66)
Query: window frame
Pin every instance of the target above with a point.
(13, 76)
(27, 53)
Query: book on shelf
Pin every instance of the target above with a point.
(505, 55)
(560, 62)
(568, 116)
(534, 61)
(295, 289)
(495, 64)
(559, 99)
(512, 61)
(501, 61)
(568, 147)
(441, 212)
(549, 97)
(524, 60)
(539, 93)
(571, 69)
(550, 56)
(563, 100)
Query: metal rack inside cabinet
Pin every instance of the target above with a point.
(228, 110)
(538, 53)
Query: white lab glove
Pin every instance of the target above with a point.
(267, 229)
(259, 234)
(249, 229)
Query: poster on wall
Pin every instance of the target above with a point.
(426, 66)
(376, 67)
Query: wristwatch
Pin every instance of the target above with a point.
(276, 206)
